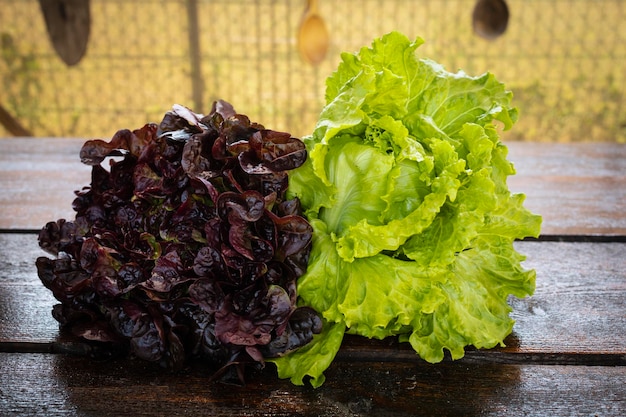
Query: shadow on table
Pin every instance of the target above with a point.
(134, 387)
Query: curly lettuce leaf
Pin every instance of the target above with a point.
(310, 361)
(414, 224)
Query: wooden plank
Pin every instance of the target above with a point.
(576, 315)
(37, 180)
(581, 289)
(579, 189)
(25, 304)
(61, 385)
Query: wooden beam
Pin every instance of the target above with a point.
(11, 124)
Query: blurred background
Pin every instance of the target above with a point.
(564, 60)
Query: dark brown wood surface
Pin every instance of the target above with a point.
(579, 189)
(572, 317)
(566, 355)
(61, 385)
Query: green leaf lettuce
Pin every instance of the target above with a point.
(405, 187)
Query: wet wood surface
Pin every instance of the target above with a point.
(63, 385)
(566, 355)
(572, 317)
(578, 188)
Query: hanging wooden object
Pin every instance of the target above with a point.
(313, 37)
(68, 23)
(490, 18)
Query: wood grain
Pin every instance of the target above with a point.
(25, 304)
(60, 385)
(572, 317)
(579, 189)
(566, 355)
(38, 178)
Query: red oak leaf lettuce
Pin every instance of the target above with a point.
(185, 246)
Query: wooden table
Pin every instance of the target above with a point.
(566, 355)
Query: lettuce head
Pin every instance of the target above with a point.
(405, 187)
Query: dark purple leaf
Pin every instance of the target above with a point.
(185, 246)
(207, 294)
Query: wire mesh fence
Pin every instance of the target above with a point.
(564, 60)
